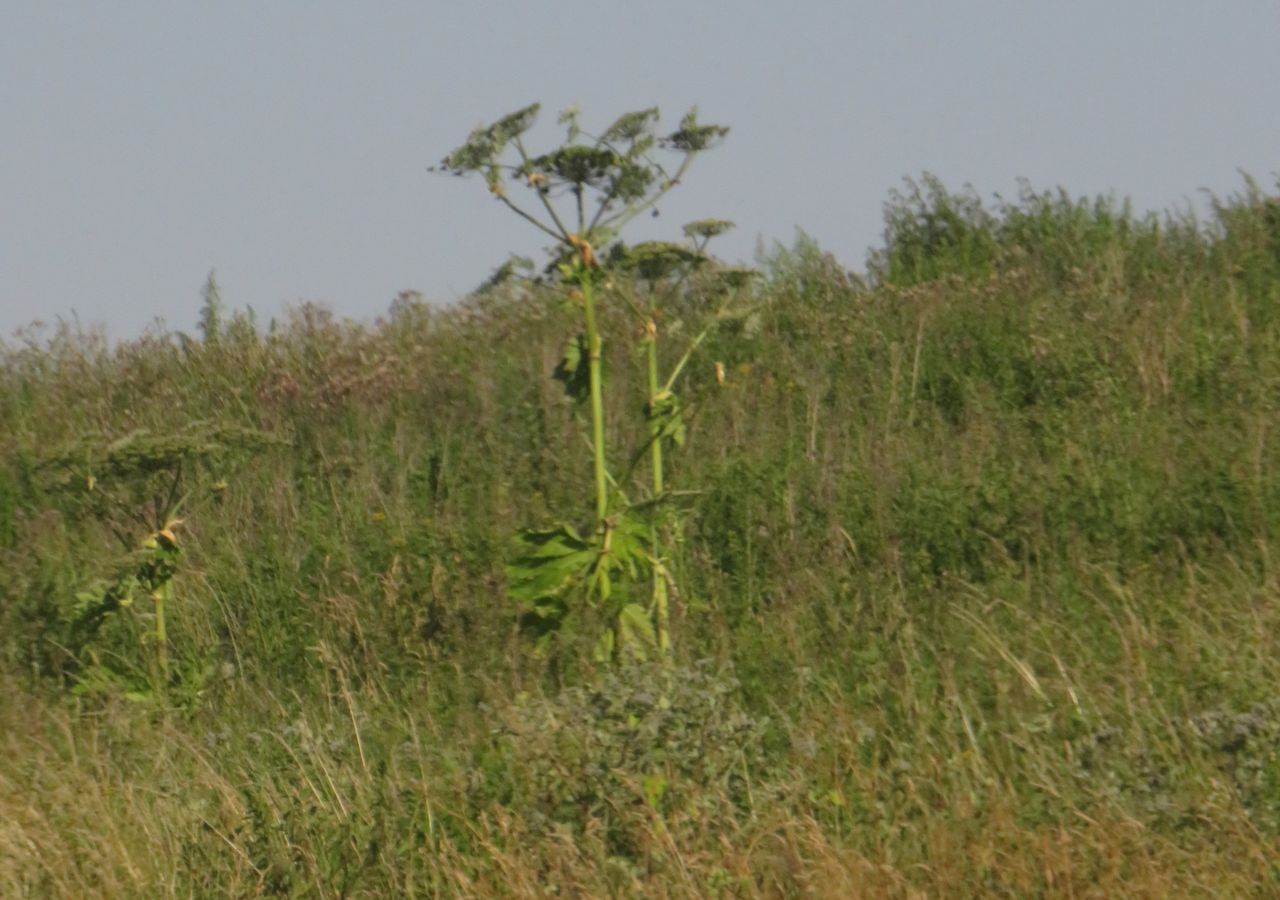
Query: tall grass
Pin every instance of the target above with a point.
(980, 594)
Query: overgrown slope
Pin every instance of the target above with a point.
(980, 590)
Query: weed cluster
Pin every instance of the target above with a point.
(645, 743)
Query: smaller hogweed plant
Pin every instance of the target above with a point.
(581, 194)
(137, 485)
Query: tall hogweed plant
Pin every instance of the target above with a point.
(137, 486)
(617, 572)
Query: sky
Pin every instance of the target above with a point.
(286, 144)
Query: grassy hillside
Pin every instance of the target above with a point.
(979, 588)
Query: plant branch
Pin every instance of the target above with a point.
(529, 218)
(597, 394)
(688, 354)
(551, 210)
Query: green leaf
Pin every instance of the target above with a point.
(694, 138)
(667, 420)
(577, 165)
(558, 541)
(515, 124)
(635, 630)
(630, 180)
(551, 608)
(548, 617)
(655, 260)
(707, 228)
(534, 584)
(485, 143)
(573, 370)
(547, 563)
(92, 597)
(632, 125)
(626, 550)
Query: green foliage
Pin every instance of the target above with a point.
(693, 137)
(486, 143)
(1246, 747)
(930, 232)
(145, 575)
(652, 261)
(666, 420)
(1241, 751)
(211, 313)
(556, 574)
(123, 477)
(140, 480)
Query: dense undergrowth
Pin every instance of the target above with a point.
(979, 591)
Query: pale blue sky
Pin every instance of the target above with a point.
(286, 144)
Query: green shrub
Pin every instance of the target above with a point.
(628, 749)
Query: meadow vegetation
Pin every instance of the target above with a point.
(975, 589)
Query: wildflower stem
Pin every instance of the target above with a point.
(661, 615)
(597, 394)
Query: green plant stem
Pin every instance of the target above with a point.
(661, 613)
(684, 360)
(162, 636)
(597, 395)
(529, 218)
(655, 426)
